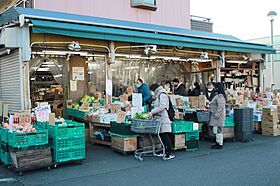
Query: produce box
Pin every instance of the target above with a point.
(121, 128)
(73, 129)
(17, 140)
(192, 135)
(178, 141)
(68, 154)
(181, 126)
(128, 144)
(105, 118)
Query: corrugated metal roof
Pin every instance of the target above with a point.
(118, 30)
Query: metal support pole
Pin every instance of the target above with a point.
(271, 56)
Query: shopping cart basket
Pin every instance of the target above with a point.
(150, 127)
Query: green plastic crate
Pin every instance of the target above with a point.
(68, 154)
(5, 158)
(62, 143)
(182, 126)
(42, 125)
(71, 112)
(64, 131)
(192, 135)
(80, 114)
(17, 140)
(4, 135)
(229, 122)
(121, 128)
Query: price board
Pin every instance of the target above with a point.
(42, 113)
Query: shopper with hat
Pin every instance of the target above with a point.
(160, 114)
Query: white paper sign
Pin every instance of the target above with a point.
(109, 87)
(42, 113)
(195, 126)
(137, 100)
(73, 85)
(78, 73)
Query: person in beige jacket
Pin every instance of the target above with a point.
(160, 114)
(218, 114)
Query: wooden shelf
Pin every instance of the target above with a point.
(101, 125)
(101, 142)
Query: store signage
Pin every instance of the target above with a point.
(79, 73)
(42, 113)
(121, 117)
(24, 117)
(137, 100)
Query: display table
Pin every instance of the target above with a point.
(74, 113)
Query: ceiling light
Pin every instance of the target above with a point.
(43, 69)
(237, 61)
(199, 60)
(74, 46)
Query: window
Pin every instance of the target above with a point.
(145, 4)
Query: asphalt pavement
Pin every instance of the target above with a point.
(255, 163)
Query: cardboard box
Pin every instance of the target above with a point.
(124, 144)
(194, 102)
(178, 141)
(105, 118)
(202, 101)
(115, 108)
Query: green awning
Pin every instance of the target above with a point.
(126, 35)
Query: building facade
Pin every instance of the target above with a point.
(166, 12)
(276, 60)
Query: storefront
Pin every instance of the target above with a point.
(86, 67)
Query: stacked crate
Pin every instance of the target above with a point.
(269, 123)
(67, 141)
(4, 152)
(19, 150)
(123, 140)
(182, 137)
(244, 124)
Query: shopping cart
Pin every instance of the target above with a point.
(150, 127)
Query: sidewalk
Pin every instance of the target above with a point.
(103, 166)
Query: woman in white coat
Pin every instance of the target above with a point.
(218, 114)
(160, 113)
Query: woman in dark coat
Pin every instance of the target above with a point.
(218, 114)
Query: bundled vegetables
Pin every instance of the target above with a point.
(76, 105)
(142, 116)
(88, 99)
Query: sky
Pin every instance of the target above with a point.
(244, 19)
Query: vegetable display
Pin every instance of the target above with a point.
(142, 116)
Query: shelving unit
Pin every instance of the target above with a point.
(94, 127)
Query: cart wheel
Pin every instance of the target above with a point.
(233, 140)
(55, 165)
(20, 173)
(254, 139)
(49, 168)
(141, 159)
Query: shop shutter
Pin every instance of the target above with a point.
(10, 81)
